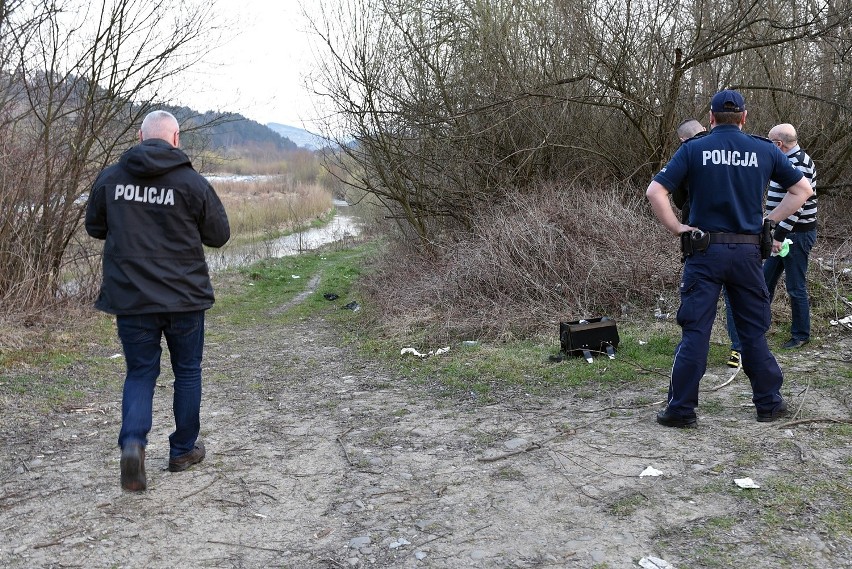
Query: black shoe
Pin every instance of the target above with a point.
(769, 416)
(133, 468)
(791, 344)
(672, 420)
(186, 460)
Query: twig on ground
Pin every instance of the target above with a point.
(531, 447)
(343, 446)
(622, 407)
(815, 420)
(200, 490)
(232, 543)
(48, 544)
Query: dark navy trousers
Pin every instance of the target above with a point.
(739, 268)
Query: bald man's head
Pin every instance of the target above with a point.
(162, 125)
(785, 134)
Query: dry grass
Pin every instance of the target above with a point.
(566, 253)
(562, 253)
(271, 205)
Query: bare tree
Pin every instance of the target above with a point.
(77, 78)
(454, 103)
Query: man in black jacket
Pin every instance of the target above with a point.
(155, 212)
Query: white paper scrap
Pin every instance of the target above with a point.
(655, 563)
(650, 471)
(746, 483)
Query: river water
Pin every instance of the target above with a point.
(344, 225)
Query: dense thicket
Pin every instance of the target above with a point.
(455, 103)
(512, 141)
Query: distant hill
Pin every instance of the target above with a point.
(228, 131)
(301, 137)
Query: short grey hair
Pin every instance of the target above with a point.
(159, 124)
(689, 128)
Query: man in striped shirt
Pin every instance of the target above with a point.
(800, 229)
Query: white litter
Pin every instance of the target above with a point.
(746, 483)
(655, 563)
(650, 471)
(414, 352)
(846, 321)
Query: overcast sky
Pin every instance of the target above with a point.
(259, 72)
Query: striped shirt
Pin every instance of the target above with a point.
(805, 218)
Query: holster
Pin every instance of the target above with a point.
(766, 238)
(692, 242)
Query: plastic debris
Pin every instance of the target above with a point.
(354, 306)
(330, 296)
(650, 471)
(414, 352)
(655, 563)
(746, 483)
(845, 321)
(399, 543)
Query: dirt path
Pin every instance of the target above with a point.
(317, 458)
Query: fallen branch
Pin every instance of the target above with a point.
(816, 420)
(201, 489)
(343, 446)
(231, 543)
(531, 447)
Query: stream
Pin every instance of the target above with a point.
(344, 225)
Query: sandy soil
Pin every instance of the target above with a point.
(318, 458)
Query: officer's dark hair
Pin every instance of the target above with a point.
(728, 118)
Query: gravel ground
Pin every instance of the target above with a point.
(319, 458)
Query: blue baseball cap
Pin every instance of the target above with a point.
(727, 102)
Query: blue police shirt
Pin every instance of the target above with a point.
(727, 171)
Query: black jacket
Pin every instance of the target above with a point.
(155, 212)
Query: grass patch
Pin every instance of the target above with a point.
(44, 393)
(627, 505)
(267, 286)
(484, 368)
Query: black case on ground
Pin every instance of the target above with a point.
(587, 337)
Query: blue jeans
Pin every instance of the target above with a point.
(140, 337)
(795, 267)
(737, 267)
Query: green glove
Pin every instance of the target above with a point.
(785, 248)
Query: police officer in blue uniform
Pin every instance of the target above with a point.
(727, 172)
